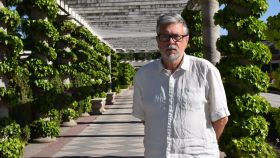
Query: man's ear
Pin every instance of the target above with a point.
(187, 41)
(187, 38)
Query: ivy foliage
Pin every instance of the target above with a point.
(38, 9)
(84, 34)
(194, 21)
(66, 27)
(10, 45)
(9, 18)
(243, 55)
(44, 128)
(41, 30)
(10, 2)
(11, 144)
(252, 52)
(273, 31)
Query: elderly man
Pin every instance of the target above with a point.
(180, 98)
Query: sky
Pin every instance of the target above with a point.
(273, 9)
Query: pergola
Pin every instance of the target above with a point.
(125, 25)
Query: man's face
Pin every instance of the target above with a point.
(172, 50)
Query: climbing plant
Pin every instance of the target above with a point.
(244, 54)
(14, 90)
(273, 31)
(194, 22)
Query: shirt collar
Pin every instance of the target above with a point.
(185, 63)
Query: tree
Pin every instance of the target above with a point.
(210, 31)
(243, 55)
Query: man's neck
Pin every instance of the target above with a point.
(172, 66)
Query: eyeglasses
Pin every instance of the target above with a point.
(165, 38)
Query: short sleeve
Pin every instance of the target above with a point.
(217, 96)
(137, 108)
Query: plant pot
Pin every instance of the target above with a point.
(85, 114)
(70, 123)
(44, 140)
(98, 105)
(110, 98)
(3, 82)
(44, 131)
(66, 80)
(4, 111)
(5, 52)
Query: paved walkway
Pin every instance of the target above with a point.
(115, 134)
(272, 98)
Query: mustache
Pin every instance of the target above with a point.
(171, 47)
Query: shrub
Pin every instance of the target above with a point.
(44, 128)
(11, 148)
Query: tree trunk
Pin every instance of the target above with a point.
(210, 31)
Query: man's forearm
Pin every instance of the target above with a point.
(219, 126)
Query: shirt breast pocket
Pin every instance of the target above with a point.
(193, 99)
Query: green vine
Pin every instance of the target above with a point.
(44, 128)
(39, 69)
(273, 31)
(42, 8)
(243, 55)
(9, 18)
(68, 114)
(10, 44)
(246, 7)
(85, 34)
(10, 2)
(67, 27)
(44, 49)
(253, 52)
(195, 43)
(41, 30)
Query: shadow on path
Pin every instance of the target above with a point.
(101, 135)
(102, 157)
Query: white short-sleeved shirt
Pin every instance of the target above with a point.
(178, 108)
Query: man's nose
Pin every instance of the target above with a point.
(171, 40)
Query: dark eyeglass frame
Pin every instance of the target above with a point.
(165, 37)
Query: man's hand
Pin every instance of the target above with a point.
(219, 126)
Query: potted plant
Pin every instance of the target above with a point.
(44, 130)
(126, 75)
(98, 103)
(110, 98)
(68, 116)
(86, 106)
(11, 147)
(10, 139)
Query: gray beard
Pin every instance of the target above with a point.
(172, 57)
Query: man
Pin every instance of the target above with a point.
(179, 98)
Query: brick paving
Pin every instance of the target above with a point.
(114, 134)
